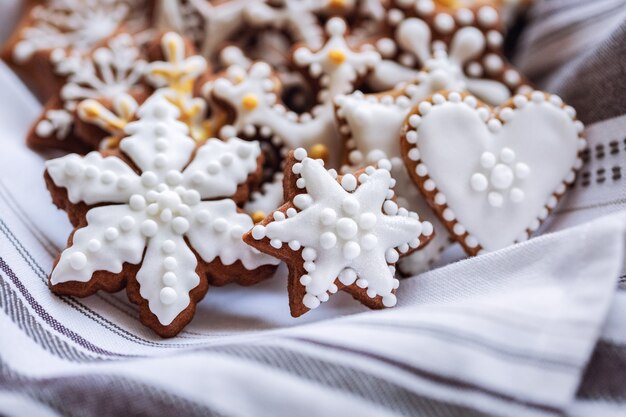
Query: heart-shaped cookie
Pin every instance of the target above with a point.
(492, 176)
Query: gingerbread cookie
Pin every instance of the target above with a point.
(250, 98)
(339, 232)
(492, 176)
(61, 27)
(113, 69)
(159, 217)
(421, 31)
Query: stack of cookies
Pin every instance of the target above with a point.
(353, 140)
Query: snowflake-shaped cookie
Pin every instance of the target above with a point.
(165, 227)
(339, 233)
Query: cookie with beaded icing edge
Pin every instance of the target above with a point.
(158, 216)
(418, 31)
(339, 233)
(492, 175)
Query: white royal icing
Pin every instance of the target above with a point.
(105, 73)
(496, 177)
(351, 231)
(157, 209)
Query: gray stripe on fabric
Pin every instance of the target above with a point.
(19, 314)
(605, 376)
(101, 395)
(596, 86)
(366, 385)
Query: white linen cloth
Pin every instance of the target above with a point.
(537, 329)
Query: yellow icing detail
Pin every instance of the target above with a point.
(249, 102)
(319, 151)
(258, 216)
(172, 47)
(336, 4)
(449, 3)
(337, 56)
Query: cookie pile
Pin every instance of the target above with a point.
(209, 141)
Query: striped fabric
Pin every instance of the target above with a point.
(538, 329)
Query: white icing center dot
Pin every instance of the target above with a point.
(502, 176)
(168, 296)
(347, 228)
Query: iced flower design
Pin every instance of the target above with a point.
(500, 178)
(105, 73)
(74, 24)
(177, 206)
(352, 230)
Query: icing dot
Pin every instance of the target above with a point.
(471, 241)
(91, 172)
(351, 250)
(276, 243)
(291, 212)
(226, 159)
(429, 185)
(309, 254)
(350, 205)
(427, 228)
(414, 154)
(458, 229)
(149, 228)
(170, 263)
(191, 197)
(78, 261)
(494, 125)
(516, 195)
(328, 216)
(537, 97)
(123, 183)
(258, 232)
(371, 293)
(487, 160)
(94, 245)
(168, 247)
(294, 245)
(161, 144)
(168, 295)
(213, 167)
(347, 228)
(137, 202)
(309, 266)
(478, 182)
(487, 16)
(310, 301)
(390, 208)
(369, 241)
(220, 225)
(169, 279)
(173, 177)
(149, 179)
(160, 161)
(203, 217)
(495, 199)
(180, 225)
(107, 177)
(391, 256)
(367, 221)
(444, 23)
(520, 101)
(411, 137)
(127, 223)
(361, 283)
(389, 300)
(440, 199)
(521, 170)
(493, 63)
(465, 16)
(328, 240)
(348, 182)
(278, 215)
(111, 234)
(448, 215)
(72, 168)
(347, 276)
(502, 176)
(299, 154)
(302, 201)
(305, 280)
(414, 120)
(507, 155)
(421, 170)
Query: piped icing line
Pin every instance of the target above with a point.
(509, 157)
(472, 38)
(165, 196)
(339, 232)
